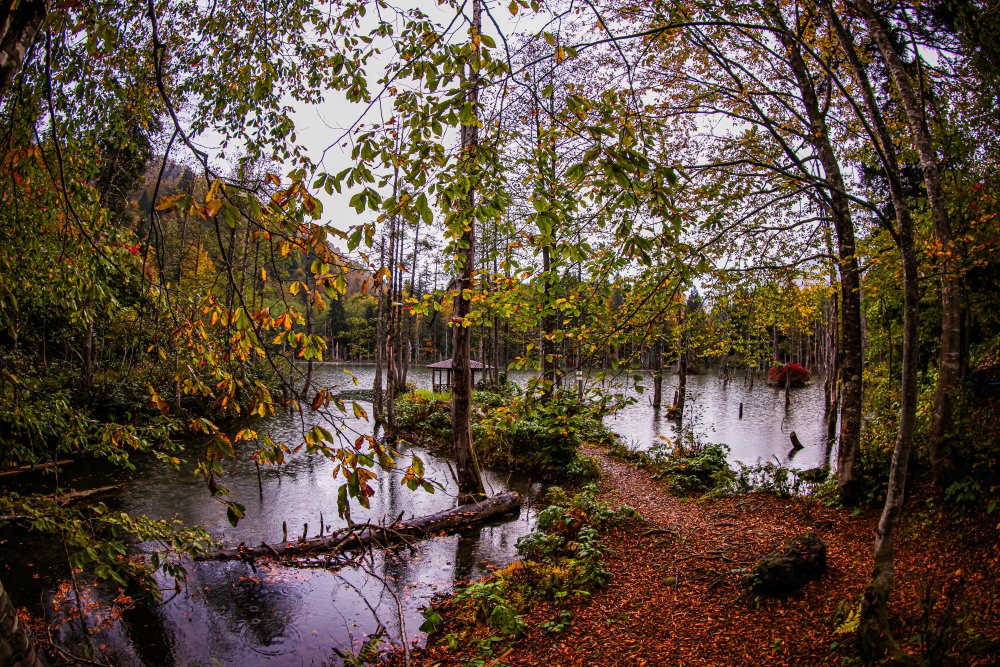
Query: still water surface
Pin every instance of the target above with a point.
(285, 616)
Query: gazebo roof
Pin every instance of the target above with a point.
(446, 363)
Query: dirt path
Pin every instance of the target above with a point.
(675, 596)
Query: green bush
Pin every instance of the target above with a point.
(563, 557)
(583, 468)
(544, 437)
(510, 431)
(768, 477)
(491, 603)
(689, 467)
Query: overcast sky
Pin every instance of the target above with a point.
(319, 126)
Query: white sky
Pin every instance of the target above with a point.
(318, 126)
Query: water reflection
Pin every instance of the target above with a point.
(712, 410)
(285, 616)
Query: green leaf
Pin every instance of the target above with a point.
(424, 209)
(433, 621)
(343, 506)
(241, 321)
(234, 512)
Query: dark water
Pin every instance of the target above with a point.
(230, 615)
(279, 615)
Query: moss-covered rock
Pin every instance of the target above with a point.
(802, 559)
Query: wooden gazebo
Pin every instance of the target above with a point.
(441, 374)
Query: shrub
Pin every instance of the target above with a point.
(797, 374)
(512, 432)
(566, 547)
(769, 477)
(583, 469)
(422, 410)
(689, 466)
(697, 471)
(542, 437)
(563, 557)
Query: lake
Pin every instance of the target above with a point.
(278, 615)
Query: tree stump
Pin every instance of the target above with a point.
(802, 559)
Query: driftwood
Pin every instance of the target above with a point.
(39, 466)
(67, 498)
(71, 497)
(362, 535)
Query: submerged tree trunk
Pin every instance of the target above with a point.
(682, 369)
(470, 482)
(941, 452)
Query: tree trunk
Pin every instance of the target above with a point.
(378, 398)
(874, 634)
(353, 537)
(835, 194)
(876, 639)
(16, 647)
(307, 383)
(941, 452)
(657, 372)
(393, 328)
(87, 372)
(548, 326)
(413, 326)
(682, 370)
(470, 482)
(19, 25)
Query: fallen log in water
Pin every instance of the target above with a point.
(71, 497)
(32, 468)
(363, 535)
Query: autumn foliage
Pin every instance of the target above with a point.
(798, 374)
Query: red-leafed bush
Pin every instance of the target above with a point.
(798, 374)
